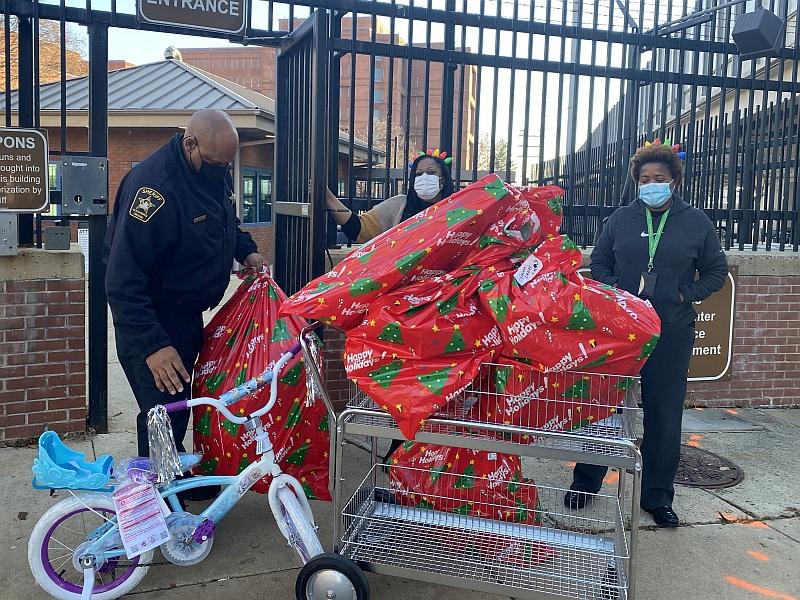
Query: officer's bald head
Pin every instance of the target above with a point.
(212, 133)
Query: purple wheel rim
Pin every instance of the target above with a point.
(68, 585)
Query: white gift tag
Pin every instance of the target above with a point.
(140, 518)
(528, 270)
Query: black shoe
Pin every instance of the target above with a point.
(664, 516)
(575, 500)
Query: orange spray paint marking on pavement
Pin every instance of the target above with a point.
(758, 555)
(757, 525)
(732, 411)
(570, 465)
(694, 440)
(612, 478)
(728, 517)
(757, 589)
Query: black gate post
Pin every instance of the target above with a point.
(25, 59)
(98, 312)
(448, 83)
(334, 65)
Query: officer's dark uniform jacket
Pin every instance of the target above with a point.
(171, 244)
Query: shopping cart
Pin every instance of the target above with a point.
(582, 554)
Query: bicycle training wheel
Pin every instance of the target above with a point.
(331, 576)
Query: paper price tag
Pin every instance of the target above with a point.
(528, 270)
(140, 518)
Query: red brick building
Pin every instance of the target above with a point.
(255, 68)
(149, 104)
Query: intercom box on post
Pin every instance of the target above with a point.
(84, 185)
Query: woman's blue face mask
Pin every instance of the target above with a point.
(655, 194)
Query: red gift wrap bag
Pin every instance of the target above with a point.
(242, 340)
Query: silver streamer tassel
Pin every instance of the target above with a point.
(312, 388)
(164, 461)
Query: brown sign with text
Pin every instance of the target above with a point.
(24, 179)
(713, 344)
(227, 16)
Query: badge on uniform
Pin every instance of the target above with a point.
(146, 203)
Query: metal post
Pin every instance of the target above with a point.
(448, 83)
(98, 319)
(25, 66)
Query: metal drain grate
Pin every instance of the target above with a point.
(703, 469)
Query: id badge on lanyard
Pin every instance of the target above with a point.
(648, 279)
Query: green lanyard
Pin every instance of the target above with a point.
(653, 240)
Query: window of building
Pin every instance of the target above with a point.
(377, 115)
(377, 75)
(377, 96)
(256, 196)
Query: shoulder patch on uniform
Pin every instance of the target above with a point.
(146, 203)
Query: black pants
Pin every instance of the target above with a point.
(663, 395)
(185, 331)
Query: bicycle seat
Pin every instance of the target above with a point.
(60, 467)
(188, 462)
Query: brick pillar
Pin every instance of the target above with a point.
(42, 343)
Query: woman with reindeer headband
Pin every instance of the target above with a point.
(429, 182)
(663, 250)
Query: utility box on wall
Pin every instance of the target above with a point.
(8, 234)
(84, 185)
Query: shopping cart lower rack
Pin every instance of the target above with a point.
(555, 553)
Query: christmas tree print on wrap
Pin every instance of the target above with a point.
(445, 307)
(391, 333)
(489, 240)
(497, 189)
(568, 244)
(406, 264)
(513, 485)
(271, 293)
(209, 467)
(467, 479)
(244, 462)
(462, 509)
(435, 381)
(362, 287)
(425, 504)
(323, 424)
(365, 258)
(598, 362)
(648, 348)
(250, 326)
(216, 380)
(280, 333)
(458, 215)
(456, 343)
(204, 424)
(292, 376)
(580, 319)
(293, 419)
(232, 429)
(502, 375)
(580, 390)
(298, 457)
(386, 374)
(626, 383)
(499, 307)
(308, 491)
(436, 472)
(241, 377)
(554, 204)
(232, 339)
(415, 224)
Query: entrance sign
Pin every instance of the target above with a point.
(24, 172)
(226, 16)
(713, 344)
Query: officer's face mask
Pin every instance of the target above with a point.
(209, 171)
(427, 186)
(655, 194)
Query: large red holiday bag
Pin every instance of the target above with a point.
(427, 245)
(462, 481)
(560, 321)
(553, 401)
(241, 341)
(420, 346)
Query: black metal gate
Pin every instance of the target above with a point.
(301, 154)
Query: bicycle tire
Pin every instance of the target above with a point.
(52, 582)
(307, 544)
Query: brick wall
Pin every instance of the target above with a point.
(42, 348)
(766, 346)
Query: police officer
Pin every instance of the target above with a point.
(169, 251)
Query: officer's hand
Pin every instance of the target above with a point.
(255, 260)
(167, 368)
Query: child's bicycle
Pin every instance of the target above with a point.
(76, 550)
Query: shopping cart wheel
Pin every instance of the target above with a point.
(608, 588)
(331, 577)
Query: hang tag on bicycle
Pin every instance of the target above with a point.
(140, 518)
(263, 444)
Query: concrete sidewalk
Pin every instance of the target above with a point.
(739, 543)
